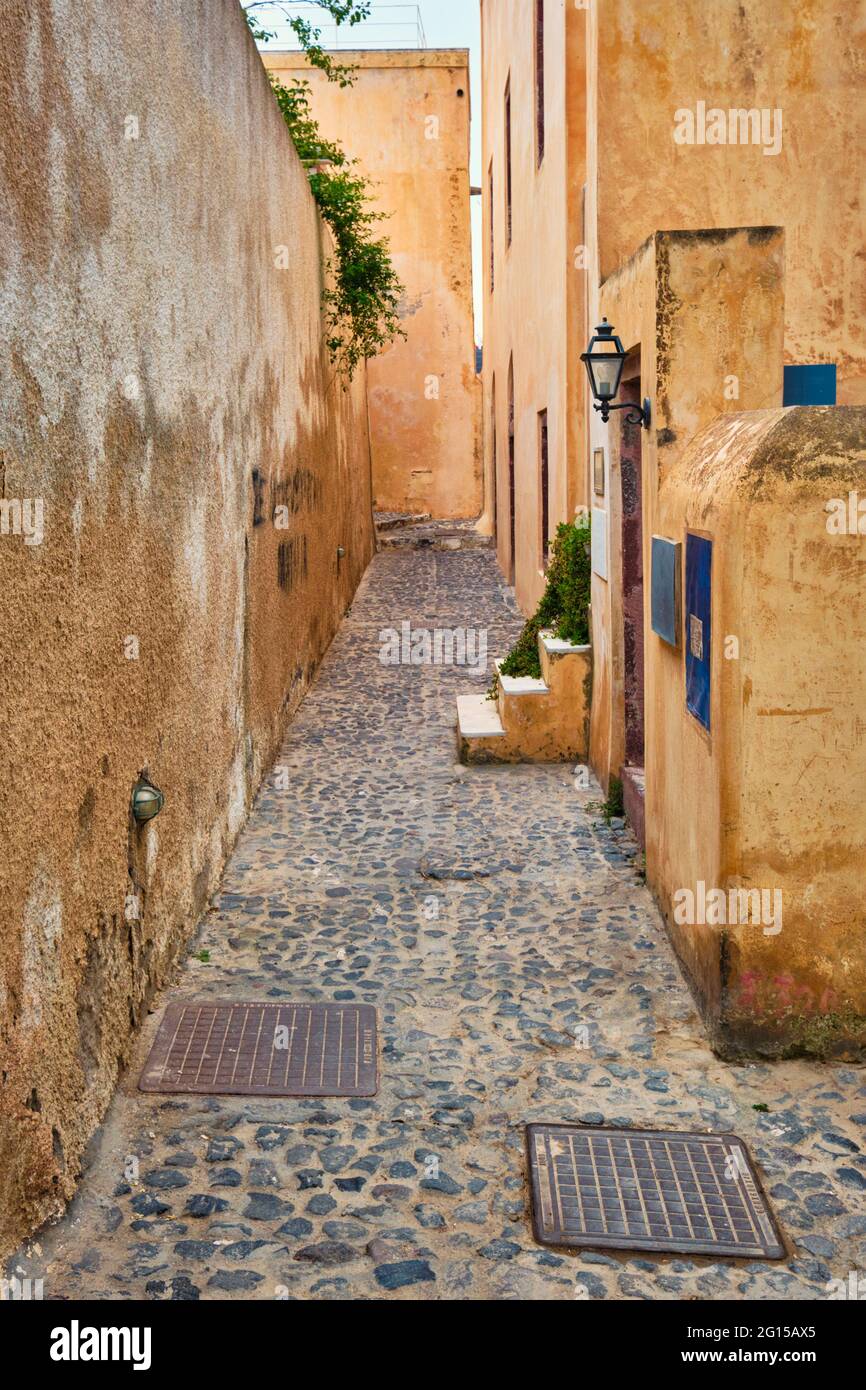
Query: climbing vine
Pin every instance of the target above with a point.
(349, 12)
(363, 307)
(564, 607)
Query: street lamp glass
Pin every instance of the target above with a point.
(606, 371)
(604, 360)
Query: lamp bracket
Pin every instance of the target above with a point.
(638, 415)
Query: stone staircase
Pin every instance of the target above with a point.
(408, 531)
(533, 721)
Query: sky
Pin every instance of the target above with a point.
(447, 24)
(457, 24)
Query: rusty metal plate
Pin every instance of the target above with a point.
(226, 1049)
(667, 1191)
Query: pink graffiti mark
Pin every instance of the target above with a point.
(747, 989)
(775, 996)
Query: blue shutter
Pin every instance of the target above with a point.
(666, 589)
(811, 385)
(699, 628)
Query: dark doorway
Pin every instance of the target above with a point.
(544, 490)
(508, 223)
(492, 202)
(539, 82)
(495, 499)
(512, 564)
(633, 608)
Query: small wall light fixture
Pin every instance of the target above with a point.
(147, 801)
(604, 359)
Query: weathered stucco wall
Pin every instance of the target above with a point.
(534, 308)
(763, 800)
(164, 394)
(406, 120)
(644, 65)
(774, 790)
(700, 310)
(803, 61)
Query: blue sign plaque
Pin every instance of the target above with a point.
(666, 589)
(698, 626)
(814, 384)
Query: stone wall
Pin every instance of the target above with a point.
(659, 157)
(535, 297)
(405, 118)
(760, 797)
(169, 424)
(769, 800)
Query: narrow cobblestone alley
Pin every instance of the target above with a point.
(521, 972)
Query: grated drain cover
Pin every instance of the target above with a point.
(225, 1049)
(668, 1191)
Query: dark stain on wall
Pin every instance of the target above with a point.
(301, 491)
(258, 498)
(291, 562)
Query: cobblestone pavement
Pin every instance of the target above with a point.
(492, 916)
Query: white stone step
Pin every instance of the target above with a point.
(557, 656)
(555, 646)
(478, 717)
(521, 685)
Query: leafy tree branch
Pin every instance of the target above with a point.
(349, 12)
(363, 306)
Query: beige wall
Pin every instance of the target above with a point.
(617, 72)
(536, 311)
(643, 66)
(164, 391)
(406, 120)
(762, 267)
(766, 798)
(804, 58)
(699, 308)
(772, 798)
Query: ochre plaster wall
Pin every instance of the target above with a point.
(766, 799)
(803, 59)
(535, 312)
(405, 119)
(163, 391)
(771, 798)
(701, 309)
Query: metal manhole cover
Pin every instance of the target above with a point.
(668, 1191)
(225, 1049)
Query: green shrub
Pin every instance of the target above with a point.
(564, 607)
(614, 806)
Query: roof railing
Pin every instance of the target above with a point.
(388, 26)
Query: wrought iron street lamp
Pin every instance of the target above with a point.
(604, 359)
